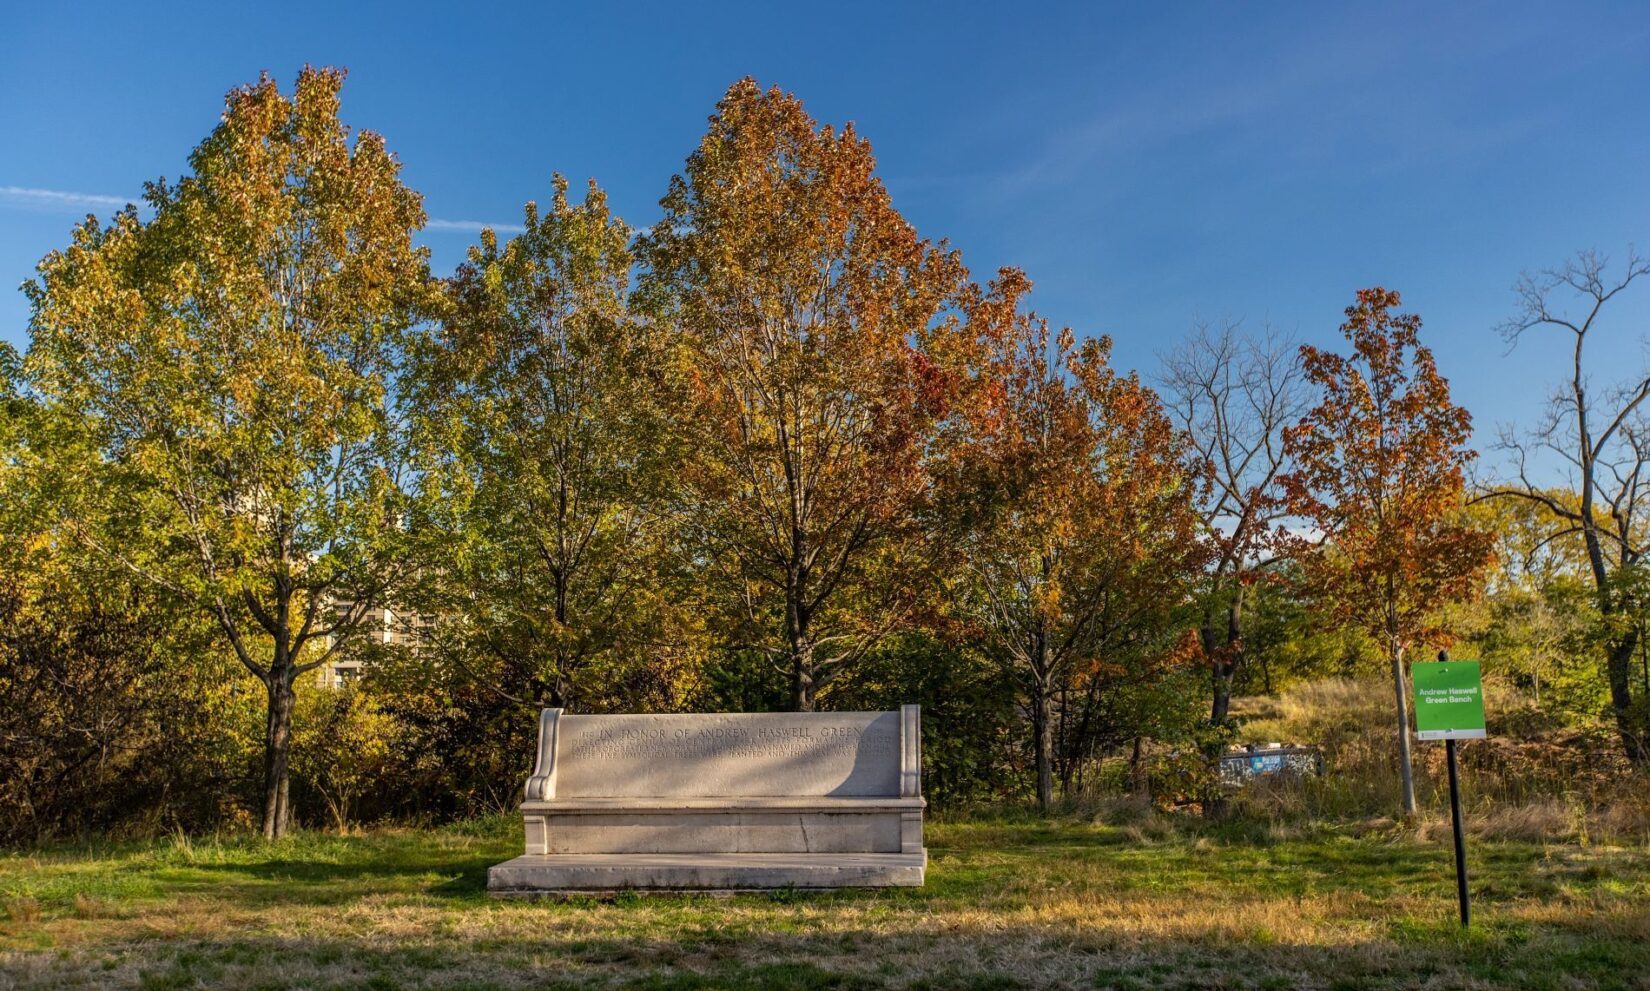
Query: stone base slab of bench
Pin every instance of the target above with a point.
(536, 874)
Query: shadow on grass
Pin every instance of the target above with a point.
(464, 880)
(319, 882)
(1015, 956)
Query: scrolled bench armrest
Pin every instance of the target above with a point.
(542, 785)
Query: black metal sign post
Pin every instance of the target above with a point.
(1449, 706)
(1460, 838)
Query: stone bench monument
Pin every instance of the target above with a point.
(749, 800)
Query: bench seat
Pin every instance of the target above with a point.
(750, 824)
(808, 800)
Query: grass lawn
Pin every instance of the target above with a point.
(1010, 903)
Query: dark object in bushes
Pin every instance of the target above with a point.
(1240, 767)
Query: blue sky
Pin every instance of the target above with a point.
(1148, 165)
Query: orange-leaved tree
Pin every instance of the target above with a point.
(1378, 474)
(1072, 500)
(797, 293)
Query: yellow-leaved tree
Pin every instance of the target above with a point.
(227, 365)
(539, 411)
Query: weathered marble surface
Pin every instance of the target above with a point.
(636, 800)
(849, 754)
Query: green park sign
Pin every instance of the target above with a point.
(1449, 700)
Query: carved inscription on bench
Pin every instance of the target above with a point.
(848, 754)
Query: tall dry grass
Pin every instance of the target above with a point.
(1532, 779)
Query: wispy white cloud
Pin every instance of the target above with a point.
(53, 197)
(470, 226)
(1299, 101)
(26, 196)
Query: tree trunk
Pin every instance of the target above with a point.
(1137, 780)
(1405, 770)
(286, 803)
(1042, 728)
(1618, 654)
(277, 744)
(1211, 652)
(802, 682)
(1065, 750)
(1226, 658)
(798, 637)
(1222, 708)
(803, 685)
(1629, 724)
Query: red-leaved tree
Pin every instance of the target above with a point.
(1378, 474)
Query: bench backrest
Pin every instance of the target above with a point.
(736, 755)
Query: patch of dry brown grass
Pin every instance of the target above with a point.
(1135, 899)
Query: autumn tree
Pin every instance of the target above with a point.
(230, 362)
(796, 291)
(1378, 473)
(1535, 621)
(1072, 495)
(12, 403)
(539, 408)
(346, 747)
(1234, 394)
(15, 410)
(112, 705)
(1600, 435)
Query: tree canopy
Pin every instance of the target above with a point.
(228, 365)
